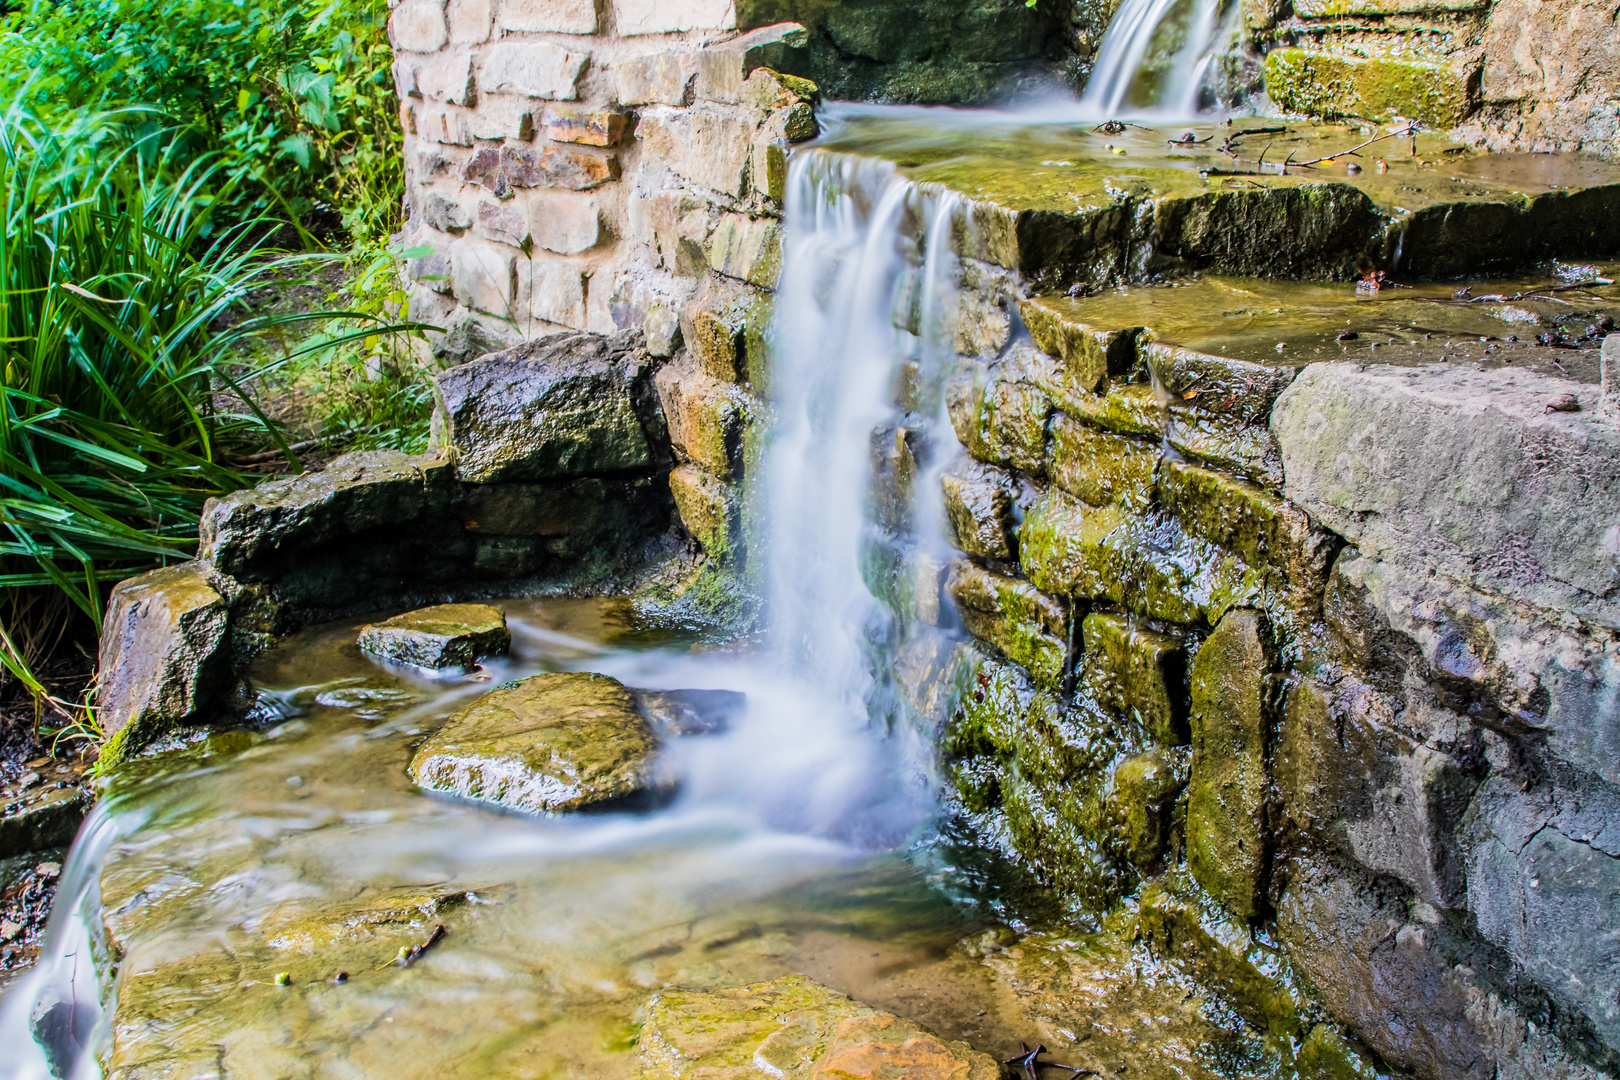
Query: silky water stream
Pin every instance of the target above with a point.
(297, 845)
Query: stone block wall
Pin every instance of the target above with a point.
(1331, 654)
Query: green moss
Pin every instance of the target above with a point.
(1028, 627)
(1098, 467)
(1087, 355)
(1139, 673)
(1337, 82)
(1142, 803)
(1229, 840)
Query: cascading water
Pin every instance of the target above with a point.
(1156, 56)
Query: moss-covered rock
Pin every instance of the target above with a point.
(1339, 80)
(1142, 802)
(1000, 416)
(794, 1028)
(1229, 839)
(979, 509)
(549, 743)
(1088, 356)
(707, 418)
(1138, 672)
(1098, 467)
(710, 511)
(1029, 627)
(443, 636)
(165, 655)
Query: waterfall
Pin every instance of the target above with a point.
(866, 305)
(1156, 56)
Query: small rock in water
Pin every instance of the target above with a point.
(691, 712)
(27, 780)
(1564, 403)
(547, 744)
(446, 636)
(10, 930)
(1348, 335)
(48, 870)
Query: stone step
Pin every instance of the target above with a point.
(1072, 204)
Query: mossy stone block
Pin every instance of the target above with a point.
(1000, 418)
(1338, 82)
(440, 637)
(1087, 355)
(1138, 672)
(1099, 467)
(979, 509)
(1061, 544)
(1142, 802)
(1027, 626)
(707, 417)
(1228, 828)
(709, 511)
(547, 744)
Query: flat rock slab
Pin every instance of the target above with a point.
(38, 814)
(547, 744)
(444, 636)
(691, 712)
(793, 1028)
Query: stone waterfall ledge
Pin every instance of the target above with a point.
(1416, 727)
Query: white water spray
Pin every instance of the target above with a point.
(1180, 38)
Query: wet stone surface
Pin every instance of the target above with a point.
(444, 636)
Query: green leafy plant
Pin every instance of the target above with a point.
(120, 394)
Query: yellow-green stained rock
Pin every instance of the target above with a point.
(795, 1029)
(550, 743)
(1143, 802)
(1138, 672)
(1000, 417)
(748, 249)
(707, 417)
(1228, 828)
(1124, 410)
(445, 636)
(396, 914)
(1099, 467)
(1061, 544)
(1261, 528)
(979, 508)
(1028, 627)
(709, 510)
(1086, 355)
(1339, 82)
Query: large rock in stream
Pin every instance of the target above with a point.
(547, 744)
(439, 637)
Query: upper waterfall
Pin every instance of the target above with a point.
(1156, 56)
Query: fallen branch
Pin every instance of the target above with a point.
(1355, 151)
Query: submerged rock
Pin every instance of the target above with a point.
(793, 1028)
(547, 744)
(444, 636)
(691, 712)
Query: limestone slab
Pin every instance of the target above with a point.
(565, 223)
(674, 16)
(979, 509)
(535, 69)
(548, 16)
(419, 26)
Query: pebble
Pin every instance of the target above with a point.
(27, 780)
(48, 870)
(10, 930)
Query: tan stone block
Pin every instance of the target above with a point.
(748, 249)
(553, 290)
(448, 79)
(769, 91)
(445, 125)
(482, 276)
(536, 69)
(418, 26)
(500, 170)
(503, 223)
(709, 145)
(549, 16)
(470, 21)
(565, 223)
(723, 68)
(768, 174)
(676, 225)
(664, 78)
(674, 16)
(502, 118)
(589, 127)
(404, 77)
(708, 510)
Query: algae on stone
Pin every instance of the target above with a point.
(1099, 467)
(1229, 823)
(979, 509)
(549, 743)
(1138, 672)
(1029, 627)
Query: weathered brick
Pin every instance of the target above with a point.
(709, 145)
(535, 69)
(674, 16)
(564, 222)
(553, 291)
(446, 125)
(482, 275)
(470, 21)
(448, 78)
(501, 118)
(590, 127)
(502, 222)
(549, 16)
(445, 214)
(557, 166)
(418, 26)
(664, 78)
